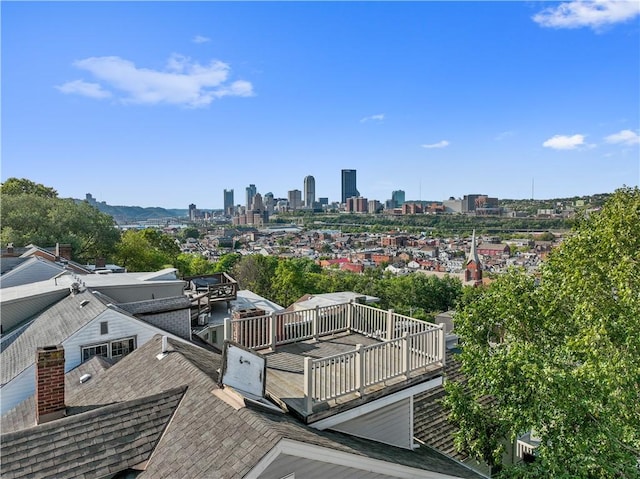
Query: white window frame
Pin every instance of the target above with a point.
(108, 345)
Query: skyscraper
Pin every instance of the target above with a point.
(228, 202)
(309, 191)
(251, 192)
(295, 199)
(349, 188)
(398, 198)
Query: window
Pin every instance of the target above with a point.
(97, 350)
(104, 327)
(122, 347)
(116, 349)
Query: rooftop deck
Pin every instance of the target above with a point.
(328, 359)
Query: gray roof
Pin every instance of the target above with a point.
(95, 443)
(7, 263)
(24, 414)
(209, 438)
(52, 326)
(156, 305)
(431, 423)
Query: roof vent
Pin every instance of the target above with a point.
(84, 302)
(84, 378)
(165, 349)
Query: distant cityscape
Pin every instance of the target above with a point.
(257, 208)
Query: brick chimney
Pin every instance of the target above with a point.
(101, 263)
(49, 383)
(63, 251)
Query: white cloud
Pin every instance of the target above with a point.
(201, 39)
(504, 135)
(183, 82)
(581, 13)
(625, 137)
(378, 117)
(440, 144)
(80, 87)
(563, 142)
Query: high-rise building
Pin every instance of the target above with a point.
(269, 203)
(295, 199)
(349, 188)
(251, 192)
(398, 198)
(193, 212)
(309, 191)
(228, 202)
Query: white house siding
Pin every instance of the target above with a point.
(18, 389)
(286, 464)
(391, 424)
(120, 327)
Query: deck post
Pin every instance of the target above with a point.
(359, 371)
(273, 323)
(308, 385)
(314, 323)
(443, 346)
(406, 357)
(390, 325)
(227, 329)
(350, 315)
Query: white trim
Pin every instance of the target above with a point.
(375, 405)
(340, 458)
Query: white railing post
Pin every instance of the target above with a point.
(443, 346)
(273, 321)
(406, 357)
(350, 315)
(308, 385)
(314, 323)
(227, 329)
(390, 325)
(360, 379)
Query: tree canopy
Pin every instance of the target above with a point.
(33, 214)
(559, 354)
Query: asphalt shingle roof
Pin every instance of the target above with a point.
(208, 437)
(96, 443)
(52, 326)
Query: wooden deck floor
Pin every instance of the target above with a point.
(285, 374)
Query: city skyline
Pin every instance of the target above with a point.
(168, 104)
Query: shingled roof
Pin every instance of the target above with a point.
(52, 326)
(431, 424)
(96, 443)
(207, 437)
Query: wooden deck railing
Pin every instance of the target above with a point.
(406, 346)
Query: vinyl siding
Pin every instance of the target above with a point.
(390, 425)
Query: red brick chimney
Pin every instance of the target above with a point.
(101, 263)
(49, 383)
(63, 251)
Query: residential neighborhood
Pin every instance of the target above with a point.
(87, 357)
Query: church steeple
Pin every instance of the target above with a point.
(473, 270)
(473, 253)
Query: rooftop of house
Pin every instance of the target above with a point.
(192, 432)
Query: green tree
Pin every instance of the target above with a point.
(33, 214)
(23, 186)
(561, 355)
(146, 250)
(256, 273)
(190, 264)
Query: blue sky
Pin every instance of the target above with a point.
(169, 103)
